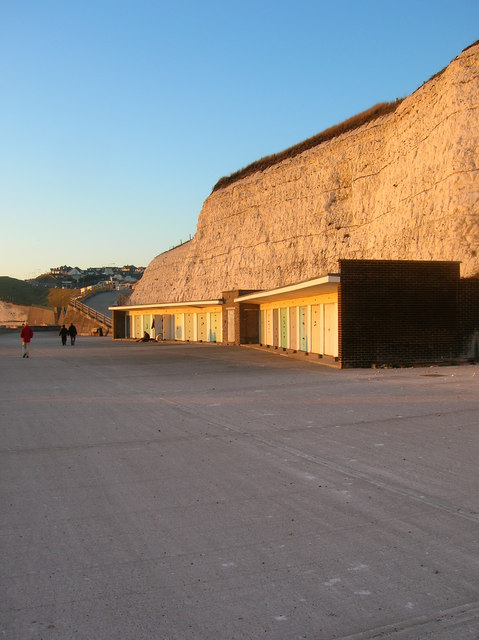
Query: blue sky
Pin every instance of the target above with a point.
(117, 117)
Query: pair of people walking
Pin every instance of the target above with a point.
(71, 331)
(26, 335)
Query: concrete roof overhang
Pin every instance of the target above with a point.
(166, 305)
(325, 284)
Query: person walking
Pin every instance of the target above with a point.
(72, 330)
(63, 333)
(26, 334)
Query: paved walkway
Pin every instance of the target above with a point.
(101, 301)
(200, 492)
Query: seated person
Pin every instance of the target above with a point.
(146, 337)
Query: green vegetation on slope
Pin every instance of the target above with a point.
(21, 292)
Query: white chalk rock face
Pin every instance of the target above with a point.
(403, 186)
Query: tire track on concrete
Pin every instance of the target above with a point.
(315, 459)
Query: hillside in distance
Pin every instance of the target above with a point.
(23, 293)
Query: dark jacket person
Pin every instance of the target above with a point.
(63, 334)
(72, 330)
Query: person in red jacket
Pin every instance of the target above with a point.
(26, 334)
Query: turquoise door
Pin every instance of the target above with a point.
(147, 324)
(303, 329)
(284, 327)
(215, 327)
(293, 327)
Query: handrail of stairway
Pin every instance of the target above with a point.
(92, 313)
(86, 292)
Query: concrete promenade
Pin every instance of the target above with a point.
(202, 492)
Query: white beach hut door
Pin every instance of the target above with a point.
(331, 329)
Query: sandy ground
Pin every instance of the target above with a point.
(201, 492)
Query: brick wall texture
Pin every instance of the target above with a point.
(399, 312)
(469, 319)
(246, 318)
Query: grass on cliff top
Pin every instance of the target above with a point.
(21, 292)
(355, 122)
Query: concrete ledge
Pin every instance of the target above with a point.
(315, 358)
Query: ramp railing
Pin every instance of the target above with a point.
(90, 312)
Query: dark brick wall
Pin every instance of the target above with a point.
(246, 318)
(118, 318)
(397, 312)
(469, 318)
(249, 322)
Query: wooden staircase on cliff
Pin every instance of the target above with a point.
(94, 316)
(101, 318)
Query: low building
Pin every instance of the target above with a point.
(370, 313)
(196, 321)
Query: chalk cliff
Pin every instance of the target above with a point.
(404, 186)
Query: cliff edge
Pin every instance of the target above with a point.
(402, 186)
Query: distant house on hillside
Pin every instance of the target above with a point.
(75, 273)
(130, 269)
(60, 271)
(66, 276)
